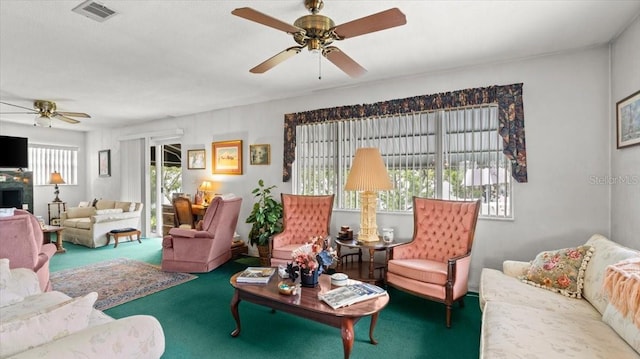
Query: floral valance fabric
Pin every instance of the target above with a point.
(507, 97)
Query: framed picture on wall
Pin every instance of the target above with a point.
(260, 154)
(104, 163)
(628, 121)
(196, 159)
(227, 157)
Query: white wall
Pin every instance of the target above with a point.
(566, 107)
(42, 195)
(625, 162)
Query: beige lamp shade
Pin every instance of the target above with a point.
(56, 178)
(368, 172)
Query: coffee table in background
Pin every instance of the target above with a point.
(47, 230)
(307, 305)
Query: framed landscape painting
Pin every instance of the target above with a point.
(260, 154)
(227, 157)
(628, 121)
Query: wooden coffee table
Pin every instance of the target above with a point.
(307, 305)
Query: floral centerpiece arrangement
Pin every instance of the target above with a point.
(310, 260)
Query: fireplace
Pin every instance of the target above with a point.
(16, 189)
(11, 197)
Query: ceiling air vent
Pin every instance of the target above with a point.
(94, 10)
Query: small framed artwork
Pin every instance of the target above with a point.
(196, 159)
(628, 121)
(227, 157)
(260, 154)
(104, 163)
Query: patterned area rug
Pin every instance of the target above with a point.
(116, 281)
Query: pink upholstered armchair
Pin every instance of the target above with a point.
(435, 265)
(207, 247)
(21, 242)
(303, 218)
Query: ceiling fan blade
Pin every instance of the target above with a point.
(64, 118)
(343, 61)
(275, 60)
(372, 23)
(253, 15)
(19, 113)
(72, 114)
(26, 108)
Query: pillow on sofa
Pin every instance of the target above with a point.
(80, 212)
(126, 206)
(43, 326)
(7, 296)
(560, 271)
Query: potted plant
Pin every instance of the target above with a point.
(266, 220)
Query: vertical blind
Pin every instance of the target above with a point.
(46, 159)
(452, 154)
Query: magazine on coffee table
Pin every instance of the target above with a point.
(256, 275)
(351, 294)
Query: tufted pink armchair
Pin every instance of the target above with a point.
(435, 265)
(303, 218)
(21, 242)
(207, 247)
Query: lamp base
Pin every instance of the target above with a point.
(56, 192)
(368, 226)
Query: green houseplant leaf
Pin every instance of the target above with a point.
(266, 215)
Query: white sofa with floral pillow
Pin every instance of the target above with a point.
(36, 324)
(89, 225)
(581, 302)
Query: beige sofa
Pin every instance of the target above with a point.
(89, 226)
(523, 321)
(36, 324)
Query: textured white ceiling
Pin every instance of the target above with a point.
(163, 58)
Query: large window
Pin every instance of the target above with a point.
(451, 154)
(46, 159)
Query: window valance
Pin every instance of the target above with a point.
(507, 97)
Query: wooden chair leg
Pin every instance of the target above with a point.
(448, 316)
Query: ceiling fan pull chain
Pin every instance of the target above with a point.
(319, 65)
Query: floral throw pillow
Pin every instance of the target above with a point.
(560, 271)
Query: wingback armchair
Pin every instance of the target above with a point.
(435, 264)
(206, 247)
(21, 242)
(303, 218)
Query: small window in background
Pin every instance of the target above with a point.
(46, 159)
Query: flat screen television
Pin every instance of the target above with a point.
(14, 152)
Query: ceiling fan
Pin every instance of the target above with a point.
(46, 110)
(316, 32)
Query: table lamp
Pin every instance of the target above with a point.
(56, 179)
(207, 189)
(368, 174)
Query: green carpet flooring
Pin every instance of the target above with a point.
(197, 321)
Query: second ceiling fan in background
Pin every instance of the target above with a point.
(316, 32)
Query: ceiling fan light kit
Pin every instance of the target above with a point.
(45, 110)
(316, 32)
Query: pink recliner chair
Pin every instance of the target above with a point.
(303, 217)
(21, 241)
(208, 246)
(435, 265)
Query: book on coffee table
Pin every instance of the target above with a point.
(351, 294)
(257, 275)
